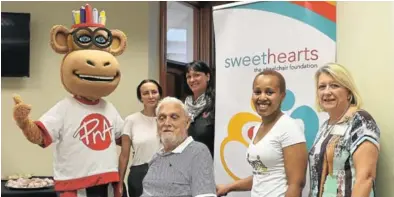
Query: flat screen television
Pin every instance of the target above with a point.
(15, 44)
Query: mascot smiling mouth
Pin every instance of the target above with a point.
(96, 77)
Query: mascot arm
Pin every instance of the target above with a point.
(31, 131)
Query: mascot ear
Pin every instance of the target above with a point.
(59, 34)
(119, 40)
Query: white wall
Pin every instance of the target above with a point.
(366, 46)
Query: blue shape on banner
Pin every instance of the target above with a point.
(306, 114)
(311, 122)
(289, 101)
(294, 11)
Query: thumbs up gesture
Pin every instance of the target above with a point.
(21, 110)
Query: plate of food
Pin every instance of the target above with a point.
(29, 183)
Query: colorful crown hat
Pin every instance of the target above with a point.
(88, 17)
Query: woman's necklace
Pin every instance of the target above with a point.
(328, 128)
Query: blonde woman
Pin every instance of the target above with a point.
(345, 152)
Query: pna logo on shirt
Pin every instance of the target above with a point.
(239, 120)
(95, 132)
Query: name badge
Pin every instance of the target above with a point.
(339, 130)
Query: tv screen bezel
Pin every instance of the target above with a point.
(26, 71)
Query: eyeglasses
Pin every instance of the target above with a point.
(85, 37)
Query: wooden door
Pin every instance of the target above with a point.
(175, 79)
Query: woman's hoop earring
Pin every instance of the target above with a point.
(350, 98)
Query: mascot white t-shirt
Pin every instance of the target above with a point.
(80, 148)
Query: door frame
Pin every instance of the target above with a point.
(203, 35)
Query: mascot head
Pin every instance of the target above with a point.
(89, 68)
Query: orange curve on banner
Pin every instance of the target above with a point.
(234, 133)
(334, 3)
(323, 8)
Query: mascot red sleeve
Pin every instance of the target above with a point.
(83, 127)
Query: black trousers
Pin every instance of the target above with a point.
(134, 180)
(95, 191)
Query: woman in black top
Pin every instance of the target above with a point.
(201, 103)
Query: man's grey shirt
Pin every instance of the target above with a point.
(187, 171)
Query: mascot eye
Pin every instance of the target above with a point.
(101, 39)
(84, 39)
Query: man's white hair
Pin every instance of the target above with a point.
(170, 99)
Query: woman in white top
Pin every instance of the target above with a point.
(277, 152)
(140, 132)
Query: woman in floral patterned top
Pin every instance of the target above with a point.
(344, 156)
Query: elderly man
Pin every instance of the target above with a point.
(184, 167)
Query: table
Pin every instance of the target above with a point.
(5, 192)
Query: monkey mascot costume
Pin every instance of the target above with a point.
(83, 127)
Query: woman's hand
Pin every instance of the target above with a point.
(222, 190)
(295, 159)
(120, 189)
(365, 161)
(124, 157)
(244, 184)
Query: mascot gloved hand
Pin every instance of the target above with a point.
(83, 126)
(21, 116)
